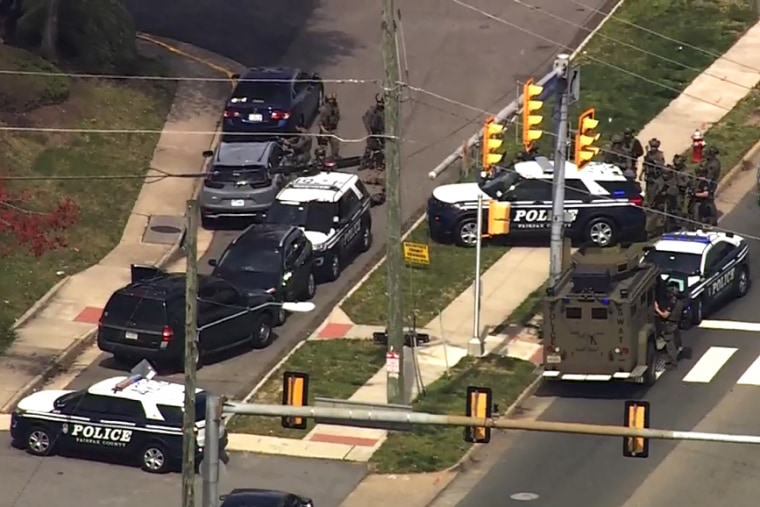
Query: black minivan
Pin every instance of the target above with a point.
(146, 318)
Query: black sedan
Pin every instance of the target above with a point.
(274, 101)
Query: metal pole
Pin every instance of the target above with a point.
(191, 351)
(394, 262)
(477, 346)
(562, 66)
(211, 452)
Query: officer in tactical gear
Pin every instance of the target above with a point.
(320, 159)
(654, 162)
(329, 118)
(703, 209)
(685, 182)
(669, 310)
(711, 163)
(670, 198)
(527, 155)
(616, 154)
(301, 144)
(633, 148)
(374, 124)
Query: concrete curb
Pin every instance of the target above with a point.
(749, 156)
(41, 303)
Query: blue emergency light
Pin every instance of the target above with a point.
(143, 371)
(618, 193)
(684, 237)
(605, 301)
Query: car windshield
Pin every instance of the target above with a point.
(674, 262)
(62, 401)
(262, 92)
(250, 260)
(234, 174)
(502, 181)
(313, 216)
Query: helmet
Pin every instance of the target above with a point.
(320, 152)
(673, 289)
(617, 138)
(379, 99)
(679, 159)
(654, 143)
(628, 132)
(331, 97)
(712, 150)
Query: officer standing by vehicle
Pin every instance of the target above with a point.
(329, 118)
(615, 153)
(684, 181)
(374, 125)
(633, 148)
(712, 163)
(703, 209)
(670, 197)
(654, 161)
(301, 144)
(669, 312)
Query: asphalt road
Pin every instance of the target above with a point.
(67, 482)
(591, 471)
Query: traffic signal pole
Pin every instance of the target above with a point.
(562, 67)
(191, 351)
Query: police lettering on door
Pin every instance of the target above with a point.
(98, 435)
(722, 282)
(533, 218)
(352, 231)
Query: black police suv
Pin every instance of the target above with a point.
(602, 206)
(133, 419)
(146, 318)
(272, 258)
(263, 498)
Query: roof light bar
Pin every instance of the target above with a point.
(143, 371)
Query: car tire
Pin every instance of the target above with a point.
(334, 269)
(466, 232)
(311, 288)
(281, 318)
(697, 309)
(154, 458)
(366, 238)
(39, 441)
(207, 223)
(743, 283)
(650, 376)
(601, 232)
(262, 335)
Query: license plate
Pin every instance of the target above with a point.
(255, 117)
(237, 203)
(129, 335)
(553, 359)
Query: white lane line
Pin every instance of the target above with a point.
(709, 364)
(751, 376)
(730, 325)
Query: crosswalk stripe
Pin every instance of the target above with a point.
(729, 325)
(751, 377)
(709, 364)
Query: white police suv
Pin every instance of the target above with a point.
(709, 267)
(136, 419)
(601, 205)
(333, 209)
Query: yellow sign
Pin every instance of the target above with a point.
(416, 253)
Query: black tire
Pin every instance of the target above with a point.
(334, 268)
(650, 376)
(601, 232)
(39, 441)
(366, 243)
(207, 223)
(262, 334)
(465, 233)
(311, 288)
(743, 282)
(697, 312)
(180, 361)
(154, 458)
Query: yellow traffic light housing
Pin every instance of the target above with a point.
(295, 392)
(493, 139)
(585, 138)
(530, 121)
(636, 416)
(479, 402)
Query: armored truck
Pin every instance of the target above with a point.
(599, 323)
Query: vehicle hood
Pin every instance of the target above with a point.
(317, 238)
(690, 280)
(41, 401)
(458, 192)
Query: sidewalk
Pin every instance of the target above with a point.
(61, 324)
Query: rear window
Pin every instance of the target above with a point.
(622, 188)
(262, 92)
(173, 415)
(123, 308)
(230, 174)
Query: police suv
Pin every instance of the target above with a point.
(710, 268)
(333, 209)
(602, 206)
(133, 418)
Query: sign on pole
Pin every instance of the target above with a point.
(574, 85)
(416, 254)
(393, 363)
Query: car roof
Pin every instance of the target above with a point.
(543, 169)
(263, 497)
(264, 235)
(243, 154)
(694, 242)
(325, 187)
(159, 391)
(270, 73)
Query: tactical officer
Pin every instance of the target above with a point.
(374, 125)
(633, 148)
(615, 153)
(654, 161)
(712, 163)
(684, 181)
(329, 118)
(703, 209)
(320, 158)
(670, 198)
(301, 144)
(669, 311)
(527, 155)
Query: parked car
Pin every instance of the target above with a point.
(263, 498)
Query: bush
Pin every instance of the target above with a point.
(20, 93)
(97, 35)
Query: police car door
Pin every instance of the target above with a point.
(350, 208)
(104, 425)
(720, 271)
(531, 206)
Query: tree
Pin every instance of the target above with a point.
(35, 231)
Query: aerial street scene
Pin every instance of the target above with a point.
(432, 253)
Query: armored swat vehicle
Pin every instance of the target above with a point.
(599, 323)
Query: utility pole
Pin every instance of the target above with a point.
(211, 451)
(191, 353)
(394, 262)
(477, 346)
(562, 65)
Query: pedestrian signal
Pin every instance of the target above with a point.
(493, 139)
(295, 392)
(636, 416)
(585, 138)
(530, 121)
(479, 401)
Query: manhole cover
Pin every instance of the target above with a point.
(524, 497)
(165, 229)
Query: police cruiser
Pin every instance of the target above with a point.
(333, 209)
(602, 206)
(710, 268)
(135, 418)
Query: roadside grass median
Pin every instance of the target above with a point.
(336, 368)
(102, 205)
(433, 448)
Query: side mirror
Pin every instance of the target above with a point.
(336, 220)
(208, 154)
(212, 262)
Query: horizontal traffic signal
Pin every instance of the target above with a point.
(531, 121)
(479, 403)
(636, 416)
(295, 392)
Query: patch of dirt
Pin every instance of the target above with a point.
(754, 119)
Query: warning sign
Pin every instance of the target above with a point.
(416, 254)
(392, 363)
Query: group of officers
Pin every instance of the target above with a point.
(677, 197)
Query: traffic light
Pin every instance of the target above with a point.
(493, 139)
(530, 121)
(295, 392)
(586, 137)
(636, 416)
(479, 400)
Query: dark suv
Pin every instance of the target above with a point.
(146, 319)
(273, 258)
